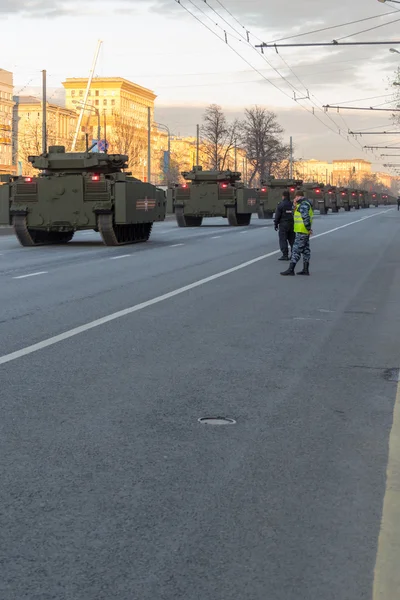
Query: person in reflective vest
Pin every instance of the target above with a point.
(303, 218)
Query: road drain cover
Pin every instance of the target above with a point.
(216, 421)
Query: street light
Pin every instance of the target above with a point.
(96, 110)
(169, 147)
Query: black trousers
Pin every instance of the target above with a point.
(286, 236)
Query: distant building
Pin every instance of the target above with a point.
(313, 170)
(6, 113)
(27, 129)
(350, 170)
(120, 108)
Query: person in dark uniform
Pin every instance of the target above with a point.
(284, 221)
(398, 202)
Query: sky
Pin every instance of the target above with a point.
(178, 50)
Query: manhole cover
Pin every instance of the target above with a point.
(216, 421)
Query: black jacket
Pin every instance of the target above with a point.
(284, 213)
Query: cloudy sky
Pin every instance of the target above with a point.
(173, 48)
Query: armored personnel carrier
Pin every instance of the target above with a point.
(271, 194)
(80, 191)
(331, 198)
(212, 194)
(316, 193)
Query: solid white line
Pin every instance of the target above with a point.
(176, 245)
(244, 231)
(31, 275)
(216, 237)
(137, 307)
(120, 256)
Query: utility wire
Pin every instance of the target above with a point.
(285, 79)
(292, 37)
(365, 30)
(261, 74)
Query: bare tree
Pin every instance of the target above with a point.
(218, 137)
(261, 139)
(29, 143)
(127, 138)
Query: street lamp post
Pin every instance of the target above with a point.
(169, 148)
(97, 112)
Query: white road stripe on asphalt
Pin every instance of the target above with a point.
(216, 237)
(6, 358)
(120, 256)
(176, 245)
(31, 275)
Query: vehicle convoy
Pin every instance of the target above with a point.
(79, 191)
(212, 194)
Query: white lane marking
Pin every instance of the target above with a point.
(176, 245)
(244, 231)
(216, 237)
(6, 358)
(31, 275)
(120, 256)
(306, 319)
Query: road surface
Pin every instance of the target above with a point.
(110, 486)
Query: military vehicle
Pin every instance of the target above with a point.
(343, 198)
(331, 199)
(363, 197)
(375, 199)
(354, 199)
(316, 193)
(212, 194)
(271, 194)
(79, 191)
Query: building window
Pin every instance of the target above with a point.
(112, 102)
(96, 93)
(104, 102)
(90, 93)
(96, 102)
(81, 92)
(72, 92)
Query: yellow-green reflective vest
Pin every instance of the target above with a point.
(298, 219)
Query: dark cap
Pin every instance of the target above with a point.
(286, 194)
(300, 193)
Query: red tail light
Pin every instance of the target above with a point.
(263, 189)
(95, 177)
(318, 191)
(184, 185)
(28, 179)
(292, 189)
(343, 193)
(224, 185)
(330, 192)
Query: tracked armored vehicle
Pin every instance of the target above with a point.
(212, 194)
(80, 191)
(271, 194)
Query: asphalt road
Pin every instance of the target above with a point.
(110, 486)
